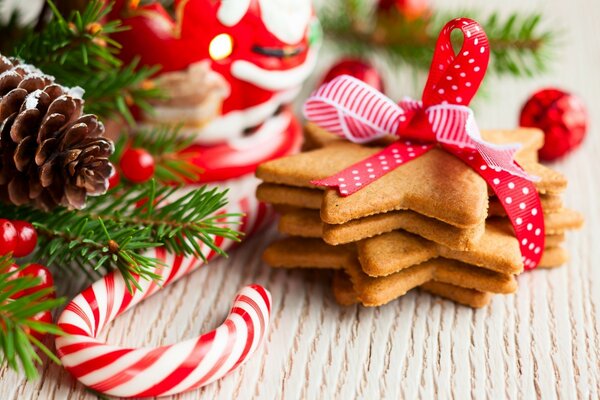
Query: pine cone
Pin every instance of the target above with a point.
(50, 154)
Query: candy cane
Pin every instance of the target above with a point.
(171, 369)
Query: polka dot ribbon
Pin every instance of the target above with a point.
(354, 110)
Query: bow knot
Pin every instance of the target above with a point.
(417, 126)
(352, 109)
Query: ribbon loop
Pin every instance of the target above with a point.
(349, 108)
(455, 78)
(352, 109)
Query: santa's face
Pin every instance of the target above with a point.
(263, 50)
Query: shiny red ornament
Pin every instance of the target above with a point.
(12, 268)
(563, 118)
(357, 68)
(26, 238)
(8, 237)
(45, 280)
(137, 165)
(410, 9)
(44, 316)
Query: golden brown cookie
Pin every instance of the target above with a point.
(555, 240)
(303, 253)
(436, 184)
(378, 291)
(345, 295)
(343, 292)
(468, 297)
(307, 223)
(550, 203)
(553, 257)
(382, 255)
(562, 220)
(453, 193)
(289, 196)
(307, 253)
(551, 181)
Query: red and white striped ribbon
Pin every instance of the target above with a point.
(171, 369)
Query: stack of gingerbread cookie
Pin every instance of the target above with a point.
(432, 223)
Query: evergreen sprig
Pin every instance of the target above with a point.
(78, 51)
(519, 45)
(115, 230)
(17, 344)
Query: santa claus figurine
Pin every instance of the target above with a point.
(229, 69)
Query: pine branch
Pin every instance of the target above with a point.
(78, 51)
(17, 344)
(114, 230)
(518, 44)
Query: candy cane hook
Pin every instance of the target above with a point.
(165, 370)
(171, 369)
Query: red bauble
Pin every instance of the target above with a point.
(563, 118)
(44, 276)
(357, 68)
(43, 316)
(137, 165)
(8, 237)
(411, 9)
(12, 268)
(26, 238)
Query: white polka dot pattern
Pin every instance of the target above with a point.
(352, 109)
(520, 200)
(370, 169)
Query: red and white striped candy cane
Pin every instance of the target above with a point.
(171, 369)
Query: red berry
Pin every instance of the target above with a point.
(44, 316)
(563, 118)
(8, 237)
(11, 269)
(357, 68)
(137, 165)
(114, 179)
(26, 238)
(44, 275)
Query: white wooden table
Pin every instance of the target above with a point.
(542, 342)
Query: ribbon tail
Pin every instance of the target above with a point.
(364, 172)
(520, 199)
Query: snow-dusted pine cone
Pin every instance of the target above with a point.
(50, 153)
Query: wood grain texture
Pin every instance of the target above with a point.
(543, 342)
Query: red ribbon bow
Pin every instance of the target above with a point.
(352, 109)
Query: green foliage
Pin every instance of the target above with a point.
(17, 344)
(115, 230)
(519, 46)
(79, 51)
(118, 229)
